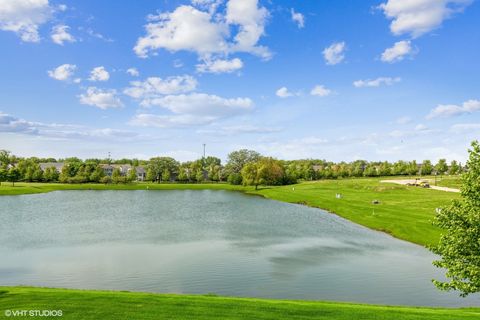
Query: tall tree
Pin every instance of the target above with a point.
(426, 168)
(459, 246)
(13, 175)
(441, 167)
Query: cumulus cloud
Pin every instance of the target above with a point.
(24, 17)
(192, 109)
(63, 72)
(220, 66)
(388, 81)
(283, 93)
(155, 87)
(133, 72)
(450, 110)
(335, 53)
(101, 98)
(298, 18)
(320, 91)
(99, 74)
(205, 32)
(398, 52)
(419, 17)
(60, 34)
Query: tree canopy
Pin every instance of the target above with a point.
(459, 246)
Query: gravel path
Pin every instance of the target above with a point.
(405, 182)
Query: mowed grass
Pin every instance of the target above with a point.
(82, 304)
(404, 212)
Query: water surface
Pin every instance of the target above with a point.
(200, 242)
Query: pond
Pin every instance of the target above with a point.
(200, 242)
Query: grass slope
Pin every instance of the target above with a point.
(404, 212)
(80, 304)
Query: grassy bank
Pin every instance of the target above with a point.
(404, 212)
(82, 304)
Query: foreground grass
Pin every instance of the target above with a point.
(404, 212)
(82, 304)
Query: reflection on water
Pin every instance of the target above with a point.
(208, 242)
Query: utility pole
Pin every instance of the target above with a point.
(204, 150)
(109, 158)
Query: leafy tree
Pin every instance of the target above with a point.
(412, 168)
(237, 159)
(5, 158)
(106, 180)
(50, 174)
(199, 176)
(459, 246)
(166, 175)
(132, 174)
(426, 168)
(454, 168)
(182, 174)
(97, 174)
(3, 175)
(266, 171)
(158, 165)
(13, 175)
(117, 176)
(441, 167)
(151, 176)
(235, 178)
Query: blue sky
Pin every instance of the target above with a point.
(340, 80)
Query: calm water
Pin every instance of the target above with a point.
(207, 242)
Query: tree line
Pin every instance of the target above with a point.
(245, 167)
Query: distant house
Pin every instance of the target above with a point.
(57, 165)
(124, 169)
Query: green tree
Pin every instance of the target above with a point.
(132, 174)
(266, 171)
(166, 176)
(3, 175)
(117, 176)
(454, 168)
(158, 165)
(459, 246)
(441, 167)
(426, 168)
(237, 159)
(13, 175)
(182, 174)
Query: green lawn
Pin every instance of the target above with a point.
(80, 304)
(404, 212)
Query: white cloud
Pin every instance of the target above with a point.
(99, 74)
(220, 66)
(298, 18)
(376, 82)
(203, 104)
(133, 72)
(417, 17)
(398, 52)
(320, 91)
(465, 127)
(283, 93)
(12, 124)
(24, 17)
(154, 87)
(250, 19)
(63, 72)
(450, 110)
(335, 53)
(100, 98)
(60, 34)
(186, 28)
(248, 129)
(206, 32)
(192, 109)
